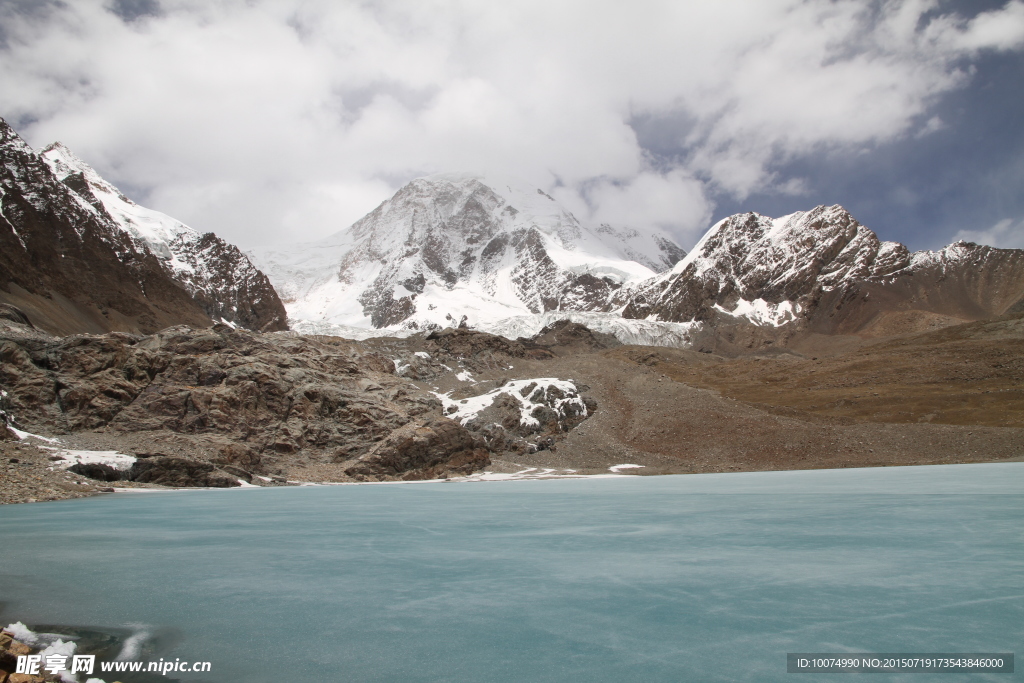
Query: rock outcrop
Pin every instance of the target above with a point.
(97, 471)
(565, 336)
(433, 450)
(238, 399)
(172, 471)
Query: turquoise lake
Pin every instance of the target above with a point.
(675, 578)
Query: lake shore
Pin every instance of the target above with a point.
(28, 475)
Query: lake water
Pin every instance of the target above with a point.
(676, 578)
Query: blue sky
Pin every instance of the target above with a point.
(964, 178)
(286, 120)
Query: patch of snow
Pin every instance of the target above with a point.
(329, 329)
(31, 638)
(761, 312)
(618, 468)
(464, 376)
(468, 408)
(528, 473)
(132, 647)
(13, 229)
(422, 354)
(28, 435)
(118, 461)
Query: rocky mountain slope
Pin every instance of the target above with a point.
(451, 248)
(822, 271)
(265, 405)
(78, 256)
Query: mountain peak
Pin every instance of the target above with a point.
(70, 195)
(450, 245)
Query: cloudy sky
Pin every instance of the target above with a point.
(282, 120)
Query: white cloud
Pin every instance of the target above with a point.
(270, 120)
(1006, 234)
(674, 201)
(1001, 29)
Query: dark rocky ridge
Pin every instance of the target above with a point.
(217, 274)
(67, 267)
(65, 263)
(228, 287)
(247, 403)
(244, 399)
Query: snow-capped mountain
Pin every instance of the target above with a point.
(450, 248)
(823, 268)
(766, 267)
(508, 259)
(67, 266)
(217, 274)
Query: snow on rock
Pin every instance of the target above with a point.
(619, 468)
(767, 269)
(761, 312)
(156, 230)
(450, 249)
(24, 634)
(535, 403)
(221, 278)
(70, 458)
(65, 649)
(22, 435)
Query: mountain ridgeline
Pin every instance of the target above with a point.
(76, 255)
(461, 249)
(823, 270)
(483, 252)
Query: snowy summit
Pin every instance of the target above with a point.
(454, 248)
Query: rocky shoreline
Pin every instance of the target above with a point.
(17, 640)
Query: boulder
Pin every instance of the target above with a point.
(432, 450)
(466, 343)
(175, 471)
(97, 471)
(571, 337)
(14, 314)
